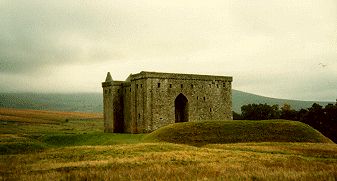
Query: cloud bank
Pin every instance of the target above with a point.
(274, 48)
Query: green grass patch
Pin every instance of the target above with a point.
(18, 144)
(15, 144)
(20, 147)
(90, 139)
(208, 132)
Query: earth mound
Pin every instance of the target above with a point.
(213, 132)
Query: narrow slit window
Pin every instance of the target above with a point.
(210, 109)
(138, 116)
(141, 85)
(217, 86)
(181, 85)
(158, 85)
(137, 86)
(197, 98)
(170, 85)
(192, 86)
(204, 98)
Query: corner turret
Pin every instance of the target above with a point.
(108, 103)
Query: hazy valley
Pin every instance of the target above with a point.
(92, 102)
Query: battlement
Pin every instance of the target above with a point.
(160, 75)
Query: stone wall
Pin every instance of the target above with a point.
(107, 107)
(126, 107)
(118, 105)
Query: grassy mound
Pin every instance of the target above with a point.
(201, 133)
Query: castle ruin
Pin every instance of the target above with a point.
(149, 100)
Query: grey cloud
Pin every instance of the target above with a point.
(48, 33)
(255, 41)
(38, 34)
(311, 84)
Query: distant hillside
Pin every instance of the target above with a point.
(242, 98)
(79, 102)
(93, 102)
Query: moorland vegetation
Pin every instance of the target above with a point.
(72, 146)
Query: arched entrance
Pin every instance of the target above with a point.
(181, 108)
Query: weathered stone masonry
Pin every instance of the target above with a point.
(149, 100)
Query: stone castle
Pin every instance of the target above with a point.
(147, 101)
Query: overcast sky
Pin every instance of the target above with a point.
(276, 48)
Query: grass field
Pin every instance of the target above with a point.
(77, 149)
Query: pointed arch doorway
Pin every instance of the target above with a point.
(181, 108)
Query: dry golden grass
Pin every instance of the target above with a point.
(26, 120)
(53, 156)
(165, 161)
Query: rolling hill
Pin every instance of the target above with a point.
(72, 102)
(242, 98)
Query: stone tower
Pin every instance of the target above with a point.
(147, 101)
(108, 104)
